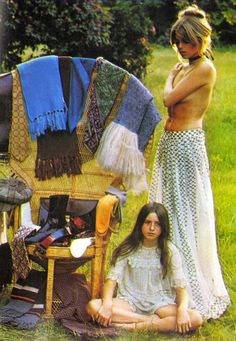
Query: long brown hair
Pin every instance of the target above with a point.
(133, 240)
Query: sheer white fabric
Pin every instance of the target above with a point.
(181, 182)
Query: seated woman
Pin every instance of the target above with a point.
(152, 291)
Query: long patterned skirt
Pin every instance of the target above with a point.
(181, 182)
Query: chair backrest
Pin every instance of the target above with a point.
(93, 181)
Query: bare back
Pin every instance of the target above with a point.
(192, 86)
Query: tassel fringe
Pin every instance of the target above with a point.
(118, 152)
(46, 169)
(55, 120)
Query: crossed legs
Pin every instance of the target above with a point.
(124, 316)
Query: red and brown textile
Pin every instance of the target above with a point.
(74, 293)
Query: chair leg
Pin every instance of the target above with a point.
(49, 290)
(97, 268)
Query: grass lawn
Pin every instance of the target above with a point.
(220, 126)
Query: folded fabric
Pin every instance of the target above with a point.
(106, 208)
(23, 296)
(43, 95)
(80, 80)
(121, 195)
(29, 319)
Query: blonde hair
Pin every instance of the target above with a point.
(193, 27)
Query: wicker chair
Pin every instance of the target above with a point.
(91, 184)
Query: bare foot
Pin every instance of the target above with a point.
(149, 324)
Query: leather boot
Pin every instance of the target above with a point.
(55, 218)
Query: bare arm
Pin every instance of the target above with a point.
(183, 319)
(104, 314)
(198, 77)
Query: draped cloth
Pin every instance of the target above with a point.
(181, 182)
(108, 83)
(43, 96)
(19, 143)
(57, 151)
(79, 83)
(125, 138)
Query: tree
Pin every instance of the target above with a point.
(129, 46)
(63, 27)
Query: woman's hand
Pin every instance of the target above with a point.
(183, 321)
(104, 314)
(177, 68)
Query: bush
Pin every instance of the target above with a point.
(63, 27)
(82, 28)
(129, 46)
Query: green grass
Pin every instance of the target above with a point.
(220, 129)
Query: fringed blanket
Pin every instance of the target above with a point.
(43, 95)
(124, 140)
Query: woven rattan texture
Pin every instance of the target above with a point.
(91, 184)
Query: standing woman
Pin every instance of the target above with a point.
(181, 178)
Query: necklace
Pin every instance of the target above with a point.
(192, 59)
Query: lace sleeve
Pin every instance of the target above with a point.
(116, 272)
(178, 279)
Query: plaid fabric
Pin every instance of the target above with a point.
(13, 192)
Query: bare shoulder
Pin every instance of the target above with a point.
(207, 70)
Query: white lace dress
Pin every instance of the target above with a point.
(140, 282)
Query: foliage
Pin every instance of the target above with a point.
(163, 13)
(76, 27)
(69, 27)
(222, 16)
(129, 46)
